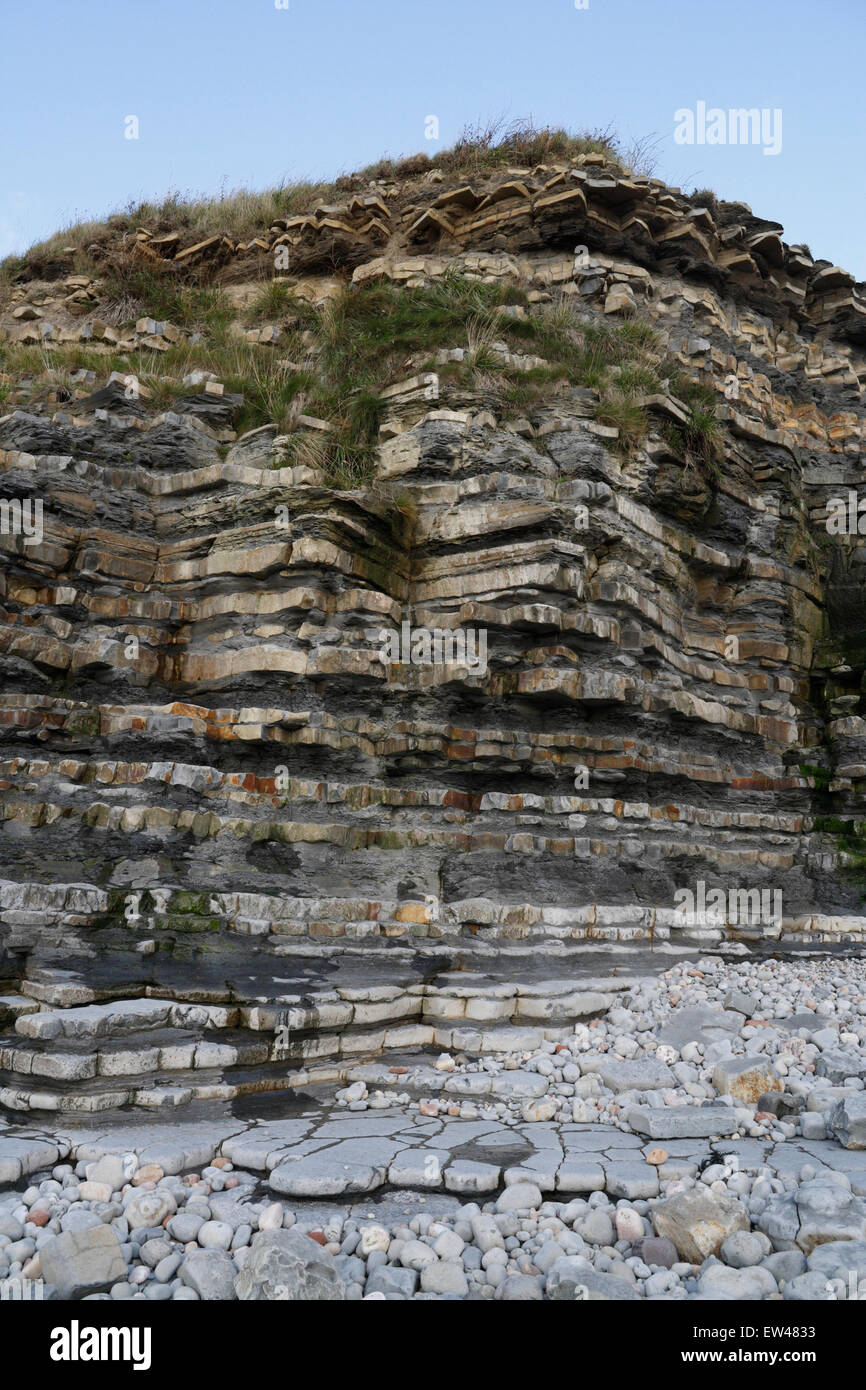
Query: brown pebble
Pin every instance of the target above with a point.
(318, 1236)
(149, 1172)
(657, 1157)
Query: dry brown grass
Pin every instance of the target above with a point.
(243, 213)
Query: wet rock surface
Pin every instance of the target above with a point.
(431, 1192)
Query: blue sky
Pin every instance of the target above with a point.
(239, 92)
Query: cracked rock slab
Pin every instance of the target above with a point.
(319, 1175)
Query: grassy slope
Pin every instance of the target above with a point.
(334, 361)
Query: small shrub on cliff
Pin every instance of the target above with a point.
(277, 302)
(698, 442)
(272, 392)
(132, 287)
(488, 144)
(626, 414)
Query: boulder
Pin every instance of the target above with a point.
(837, 1065)
(643, 1075)
(819, 1211)
(286, 1265)
(847, 1122)
(520, 1196)
(723, 1282)
(520, 1288)
(83, 1262)
(741, 1003)
(828, 1212)
(445, 1277)
(682, 1121)
(745, 1078)
(699, 1223)
(843, 1260)
(391, 1279)
(573, 1279)
(211, 1273)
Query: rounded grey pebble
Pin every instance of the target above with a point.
(157, 1293)
(154, 1251)
(742, 1250)
(242, 1236)
(185, 1226)
(167, 1267)
(21, 1250)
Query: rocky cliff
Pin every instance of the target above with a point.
(518, 646)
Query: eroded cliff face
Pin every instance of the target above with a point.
(215, 792)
